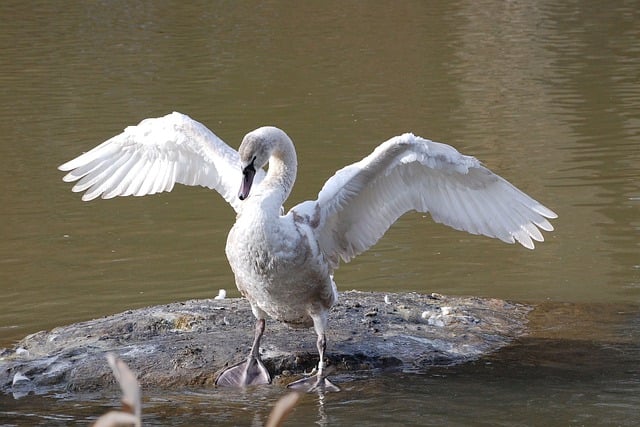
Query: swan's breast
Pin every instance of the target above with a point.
(278, 267)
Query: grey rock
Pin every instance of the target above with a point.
(188, 343)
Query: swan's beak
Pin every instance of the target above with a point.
(247, 179)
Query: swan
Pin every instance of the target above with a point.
(284, 263)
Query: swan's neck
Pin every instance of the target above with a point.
(283, 167)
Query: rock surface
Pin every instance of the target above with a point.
(188, 343)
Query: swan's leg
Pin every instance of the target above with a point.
(250, 372)
(318, 382)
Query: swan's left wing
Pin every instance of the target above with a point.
(153, 156)
(361, 201)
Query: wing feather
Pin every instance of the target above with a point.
(141, 168)
(122, 183)
(155, 155)
(361, 201)
(86, 175)
(154, 170)
(100, 180)
(114, 184)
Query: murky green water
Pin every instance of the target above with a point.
(545, 94)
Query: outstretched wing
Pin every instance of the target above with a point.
(361, 201)
(154, 155)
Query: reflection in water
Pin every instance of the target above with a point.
(545, 93)
(597, 97)
(580, 92)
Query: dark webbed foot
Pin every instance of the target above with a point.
(313, 384)
(318, 382)
(250, 372)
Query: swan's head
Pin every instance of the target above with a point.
(255, 151)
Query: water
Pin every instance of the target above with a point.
(545, 94)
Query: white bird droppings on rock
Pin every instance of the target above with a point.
(18, 377)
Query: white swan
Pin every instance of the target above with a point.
(283, 264)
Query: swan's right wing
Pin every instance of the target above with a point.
(361, 201)
(154, 155)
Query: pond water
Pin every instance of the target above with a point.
(545, 94)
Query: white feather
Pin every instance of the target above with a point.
(154, 155)
(356, 206)
(361, 201)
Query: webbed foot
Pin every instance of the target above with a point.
(313, 384)
(250, 372)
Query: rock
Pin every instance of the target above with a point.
(188, 343)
